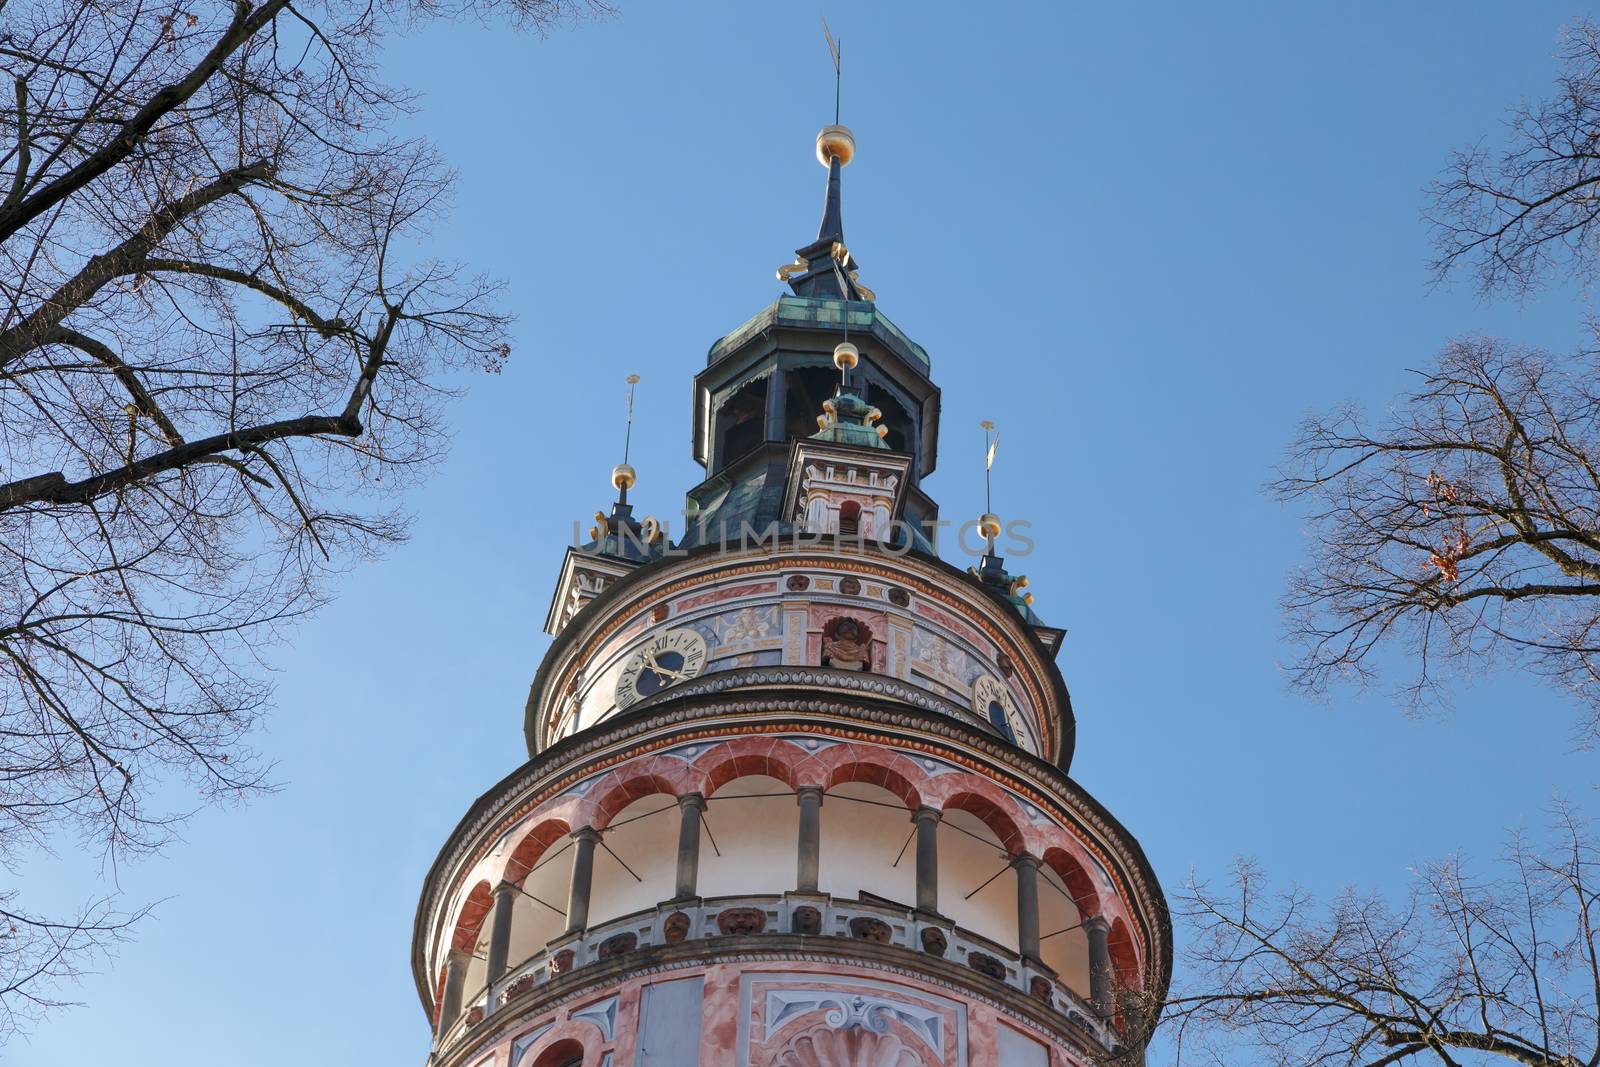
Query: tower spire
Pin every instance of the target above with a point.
(824, 268)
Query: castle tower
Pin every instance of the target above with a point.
(798, 789)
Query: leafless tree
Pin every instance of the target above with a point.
(1467, 970)
(1514, 217)
(222, 355)
(1465, 525)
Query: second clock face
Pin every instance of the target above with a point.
(992, 700)
(661, 662)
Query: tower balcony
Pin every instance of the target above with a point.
(713, 931)
(751, 834)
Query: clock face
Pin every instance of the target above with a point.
(664, 660)
(992, 700)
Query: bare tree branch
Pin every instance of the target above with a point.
(222, 364)
(1468, 970)
(1464, 529)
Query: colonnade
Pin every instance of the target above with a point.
(691, 810)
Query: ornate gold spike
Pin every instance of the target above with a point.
(650, 529)
(789, 270)
(1018, 584)
(841, 254)
(855, 280)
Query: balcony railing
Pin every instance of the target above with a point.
(791, 913)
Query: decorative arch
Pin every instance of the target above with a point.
(722, 763)
(624, 791)
(470, 919)
(1076, 879)
(534, 844)
(875, 772)
(1124, 956)
(1003, 823)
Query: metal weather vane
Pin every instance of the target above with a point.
(990, 444)
(838, 67)
(627, 438)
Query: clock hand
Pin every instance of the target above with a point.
(663, 672)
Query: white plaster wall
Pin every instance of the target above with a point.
(860, 843)
(758, 838)
(649, 845)
(965, 864)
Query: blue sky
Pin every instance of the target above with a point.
(1144, 240)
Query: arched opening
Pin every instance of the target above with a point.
(850, 518)
(867, 844)
(741, 422)
(1063, 943)
(748, 845)
(977, 886)
(1066, 890)
(805, 388)
(636, 866)
(541, 866)
(539, 914)
(472, 936)
(1124, 959)
(902, 428)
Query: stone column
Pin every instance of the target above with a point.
(455, 975)
(690, 807)
(1102, 988)
(1027, 868)
(809, 797)
(927, 820)
(582, 879)
(505, 896)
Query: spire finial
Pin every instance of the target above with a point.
(623, 476)
(824, 268)
(992, 566)
(838, 67)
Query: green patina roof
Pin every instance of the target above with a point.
(849, 425)
(826, 314)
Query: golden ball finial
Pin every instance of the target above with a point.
(836, 141)
(846, 355)
(623, 476)
(988, 525)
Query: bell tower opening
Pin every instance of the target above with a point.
(741, 421)
(902, 433)
(805, 390)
